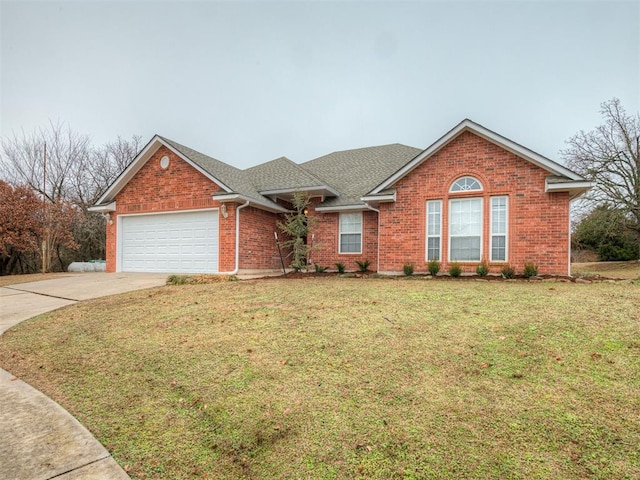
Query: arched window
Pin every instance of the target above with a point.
(466, 184)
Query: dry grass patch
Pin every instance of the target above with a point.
(350, 378)
(627, 270)
(8, 280)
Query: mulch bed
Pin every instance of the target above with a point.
(446, 277)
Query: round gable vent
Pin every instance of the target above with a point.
(164, 162)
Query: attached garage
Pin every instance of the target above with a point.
(182, 242)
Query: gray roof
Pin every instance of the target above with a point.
(355, 173)
(281, 174)
(236, 180)
(351, 173)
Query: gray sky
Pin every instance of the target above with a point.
(247, 82)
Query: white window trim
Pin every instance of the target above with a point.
(506, 229)
(349, 233)
(481, 229)
(433, 236)
(465, 191)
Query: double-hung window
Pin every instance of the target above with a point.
(465, 229)
(351, 232)
(499, 229)
(434, 229)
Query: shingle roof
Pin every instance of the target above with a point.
(355, 173)
(352, 173)
(280, 174)
(238, 181)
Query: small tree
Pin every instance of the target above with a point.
(297, 226)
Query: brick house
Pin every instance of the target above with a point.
(471, 196)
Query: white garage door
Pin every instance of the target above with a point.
(170, 242)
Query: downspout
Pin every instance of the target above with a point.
(378, 245)
(569, 259)
(235, 270)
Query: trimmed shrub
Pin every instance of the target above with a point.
(483, 269)
(433, 267)
(530, 269)
(363, 267)
(508, 271)
(408, 269)
(455, 270)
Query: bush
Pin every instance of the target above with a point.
(434, 267)
(363, 266)
(340, 266)
(530, 269)
(508, 271)
(408, 269)
(608, 252)
(177, 279)
(320, 269)
(455, 270)
(483, 269)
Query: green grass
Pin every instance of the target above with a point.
(327, 378)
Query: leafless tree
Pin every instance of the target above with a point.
(610, 156)
(67, 172)
(71, 167)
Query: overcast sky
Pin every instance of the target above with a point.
(246, 82)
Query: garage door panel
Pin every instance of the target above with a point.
(172, 242)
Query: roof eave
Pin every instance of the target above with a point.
(319, 190)
(103, 208)
(385, 198)
(236, 197)
(342, 208)
(575, 189)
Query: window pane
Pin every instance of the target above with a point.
(466, 217)
(350, 222)
(466, 184)
(465, 229)
(499, 248)
(434, 217)
(350, 243)
(499, 215)
(465, 249)
(433, 248)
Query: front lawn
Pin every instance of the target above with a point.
(350, 378)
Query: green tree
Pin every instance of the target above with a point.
(297, 226)
(603, 230)
(610, 157)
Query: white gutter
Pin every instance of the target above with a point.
(378, 245)
(235, 270)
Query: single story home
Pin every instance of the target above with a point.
(472, 196)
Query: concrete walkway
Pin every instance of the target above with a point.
(39, 440)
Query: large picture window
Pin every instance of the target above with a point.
(465, 229)
(499, 229)
(434, 229)
(351, 232)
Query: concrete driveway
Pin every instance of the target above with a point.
(41, 440)
(25, 300)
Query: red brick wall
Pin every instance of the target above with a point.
(538, 221)
(179, 187)
(326, 233)
(258, 249)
